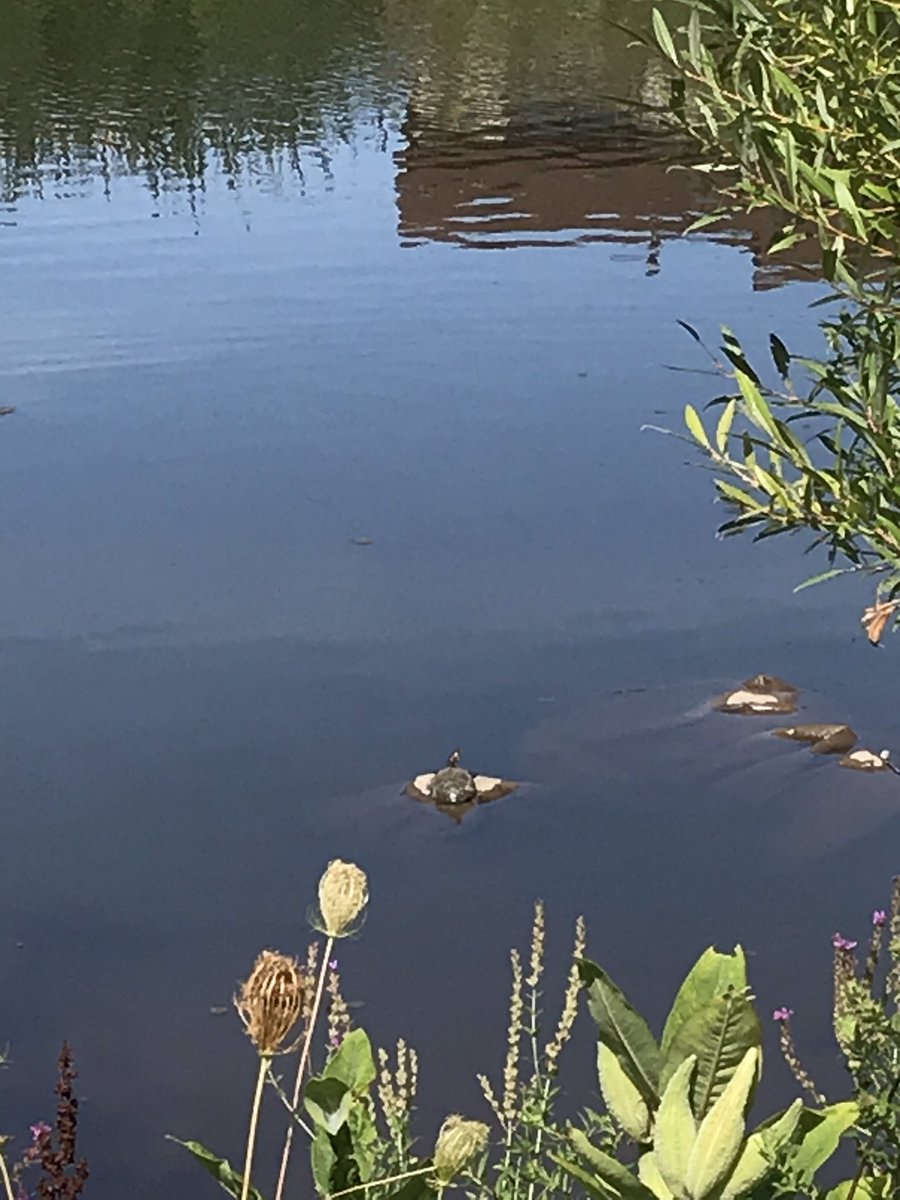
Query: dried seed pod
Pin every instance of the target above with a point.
(271, 1001)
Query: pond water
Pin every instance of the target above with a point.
(285, 279)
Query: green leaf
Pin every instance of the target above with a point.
(847, 204)
(607, 1170)
(663, 37)
(723, 429)
(676, 1130)
(323, 1159)
(755, 1161)
(220, 1168)
(713, 974)
(353, 1062)
(623, 1100)
(720, 1034)
(328, 1102)
(591, 1184)
(822, 578)
(881, 1188)
(695, 425)
(623, 1030)
(721, 1133)
(649, 1175)
(820, 1132)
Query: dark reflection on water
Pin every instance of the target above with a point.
(289, 509)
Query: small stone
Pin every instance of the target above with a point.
(422, 783)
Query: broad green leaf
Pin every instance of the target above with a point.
(353, 1063)
(755, 1161)
(328, 1102)
(675, 1131)
(623, 1030)
(323, 1159)
(720, 1034)
(721, 1134)
(220, 1168)
(623, 1100)
(711, 975)
(880, 1188)
(649, 1175)
(820, 1131)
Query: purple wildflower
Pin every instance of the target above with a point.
(879, 917)
(39, 1130)
(841, 943)
(782, 1014)
(332, 966)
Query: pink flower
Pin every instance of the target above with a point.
(841, 943)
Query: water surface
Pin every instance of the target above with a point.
(284, 280)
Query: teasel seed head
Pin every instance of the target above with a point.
(271, 1001)
(458, 1142)
(343, 894)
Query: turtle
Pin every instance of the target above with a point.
(453, 785)
(868, 760)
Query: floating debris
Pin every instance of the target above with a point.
(453, 787)
(868, 760)
(361, 541)
(876, 618)
(823, 739)
(760, 694)
(6, 409)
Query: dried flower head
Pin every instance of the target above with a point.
(343, 894)
(271, 1002)
(458, 1142)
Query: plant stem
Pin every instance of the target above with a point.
(304, 1058)
(254, 1122)
(379, 1182)
(7, 1182)
(282, 1096)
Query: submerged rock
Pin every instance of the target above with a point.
(453, 786)
(823, 738)
(760, 694)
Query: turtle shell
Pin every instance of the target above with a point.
(452, 785)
